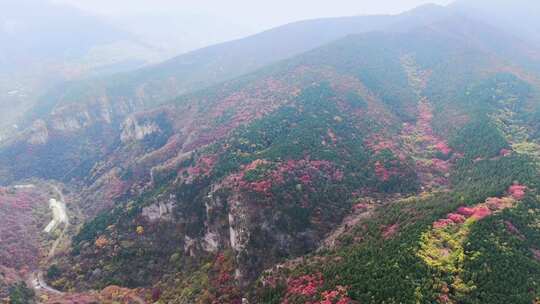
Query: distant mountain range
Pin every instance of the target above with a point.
(45, 44)
(508, 16)
(36, 31)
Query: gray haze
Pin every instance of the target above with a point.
(255, 15)
(47, 42)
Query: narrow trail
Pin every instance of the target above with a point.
(39, 284)
(350, 222)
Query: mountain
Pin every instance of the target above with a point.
(504, 14)
(203, 68)
(191, 31)
(398, 134)
(44, 44)
(398, 165)
(86, 117)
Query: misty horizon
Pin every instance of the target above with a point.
(259, 16)
(284, 152)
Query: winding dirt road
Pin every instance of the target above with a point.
(60, 216)
(39, 284)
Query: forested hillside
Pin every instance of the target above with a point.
(397, 166)
(124, 93)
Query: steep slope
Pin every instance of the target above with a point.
(122, 94)
(90, 113)
(234, 179)
(434, 248)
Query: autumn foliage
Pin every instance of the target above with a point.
(19, 227)
(308, 289)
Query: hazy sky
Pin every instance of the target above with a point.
(257, 14)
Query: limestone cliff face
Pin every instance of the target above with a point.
(38, 133)
(134, 130)
(80, 140)
(71, 121)
(223, 220)
(72, 117)
(160, 211)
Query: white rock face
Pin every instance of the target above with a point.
(105, 111)
(39, 134)
(73, 116)
(232, 234)
(132, 130)
(238, 226)
(189, 245)
(159, 211)
(211, 242)
(71, 122)
(239, 232)
(59, 215)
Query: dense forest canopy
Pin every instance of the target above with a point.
(369, 159)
